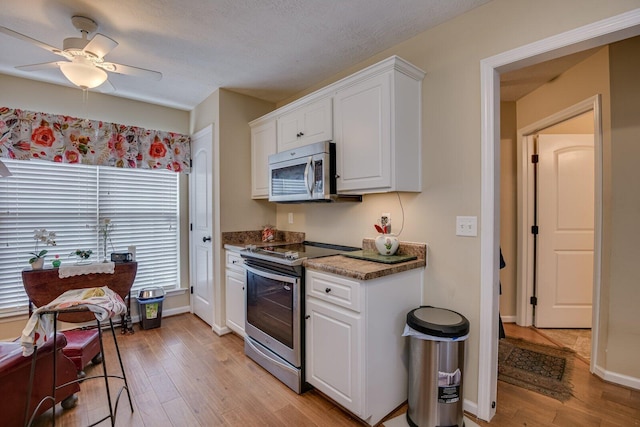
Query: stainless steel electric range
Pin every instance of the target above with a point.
(275, 306)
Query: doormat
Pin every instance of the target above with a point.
(537, 367)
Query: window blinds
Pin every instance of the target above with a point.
(70, 200)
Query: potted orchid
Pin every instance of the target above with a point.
(46, 237)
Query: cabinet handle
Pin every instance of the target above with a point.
(327, 290)
(243, 288)
(301, 133)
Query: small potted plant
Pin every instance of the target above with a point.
(49, 239)
(83, 255)
(56, 262)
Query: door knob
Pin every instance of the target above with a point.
(206, 239)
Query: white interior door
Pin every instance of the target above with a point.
(565, 239)
(201, 213)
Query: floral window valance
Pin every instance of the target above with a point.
(27, 135)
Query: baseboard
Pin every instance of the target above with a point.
(508, 319)
(470, 407)
(616, 378)
(177, 310)
(221, 330)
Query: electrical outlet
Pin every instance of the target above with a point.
(385, 219)
(467, 226)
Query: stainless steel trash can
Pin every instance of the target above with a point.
(436, 363)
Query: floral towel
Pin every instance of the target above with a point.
(103, 302)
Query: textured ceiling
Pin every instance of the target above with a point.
(269, 49)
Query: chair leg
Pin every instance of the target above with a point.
(32, 374)
(106, 377)
(124, 375)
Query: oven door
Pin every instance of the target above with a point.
(273, 312)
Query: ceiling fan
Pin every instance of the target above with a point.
(85, 66)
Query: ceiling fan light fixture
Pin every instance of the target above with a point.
(83, 75)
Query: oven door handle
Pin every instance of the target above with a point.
(272, 276)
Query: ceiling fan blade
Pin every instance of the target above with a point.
(38, 67)
(100, 45)
(38, 43)
(131, 71)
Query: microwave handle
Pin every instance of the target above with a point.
(309, 173)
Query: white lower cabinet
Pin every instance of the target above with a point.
(235, 292)
(333, 351)
(355, 351)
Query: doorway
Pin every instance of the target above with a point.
(556, 216)
(596, 34)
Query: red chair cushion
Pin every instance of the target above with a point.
(82, 346)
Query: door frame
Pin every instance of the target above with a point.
(598, 33)
(525, 207)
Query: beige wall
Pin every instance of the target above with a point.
(238, 211)
(623, 342)
(44, 97)
(450, 54)
(230, 114)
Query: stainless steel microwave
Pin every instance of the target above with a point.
(305, 174)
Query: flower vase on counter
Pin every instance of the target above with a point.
(387, 244)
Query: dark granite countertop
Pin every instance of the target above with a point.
(337, 264)
(367, 270)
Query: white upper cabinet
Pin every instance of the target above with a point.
(377, 129)
(305, 125)
(263, 144)
(374, 118)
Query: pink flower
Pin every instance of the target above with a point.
(43, 135)
(157, 149)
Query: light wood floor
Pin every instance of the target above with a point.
(594, 402)
(182, 374)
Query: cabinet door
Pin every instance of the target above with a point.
(306, 125)
(235, 295)
(334, 354)
(363, 135)
(263, 143)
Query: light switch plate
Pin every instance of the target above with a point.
(467, 226)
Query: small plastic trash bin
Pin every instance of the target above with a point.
(150, 307)
(436, 362)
